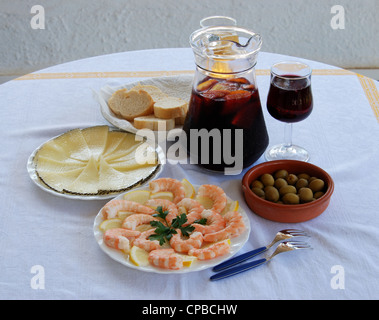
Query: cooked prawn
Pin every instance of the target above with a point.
(120, 238)
(216, 194)
(181, 245)
(234, 227)
(135, 220)
(144, 243)
(215, 222)
(168, 184)
(193, 209)
(112, 208)
(166, 259)
(166, 205)
(214, 250)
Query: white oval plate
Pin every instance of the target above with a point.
(31, 168)
(236, 244)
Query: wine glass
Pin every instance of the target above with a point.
(289, 100)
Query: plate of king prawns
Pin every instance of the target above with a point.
(172, 226)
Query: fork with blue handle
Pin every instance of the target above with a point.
(280, 236)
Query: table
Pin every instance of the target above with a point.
(47, 246)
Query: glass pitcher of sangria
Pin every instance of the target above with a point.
(225, 127)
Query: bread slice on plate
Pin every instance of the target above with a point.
(170, 108)
(179, 121)
(153, 123)
(131, 104)
(155, 93)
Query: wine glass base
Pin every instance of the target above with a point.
(284, 152)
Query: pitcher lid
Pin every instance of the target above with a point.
(228, 44)
(243, 41)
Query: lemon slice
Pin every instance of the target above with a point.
(124, 214)
(166, 195)
(140, 196)
(227, 241)
(139, 257)
(144, 227)
(232, 205)
(110, 224)
(206, 202)
(189, 189)
(188, 260)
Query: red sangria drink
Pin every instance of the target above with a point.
(227, 117)
(289, 100)
(224, 127)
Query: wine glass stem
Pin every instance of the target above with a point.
(288, 135)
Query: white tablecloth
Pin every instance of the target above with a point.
(52, 237)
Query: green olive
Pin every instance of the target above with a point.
(292, 179)
(305, 195)
(267, 179)
(305, 176)
(281, 174)
(272, 194)
(280, 182)
(259, 192)
(291, 198)
(318, 194)
(301, 183)
(287, 189)
(316, 185)
(256, 184)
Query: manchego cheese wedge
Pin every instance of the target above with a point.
(91, 161)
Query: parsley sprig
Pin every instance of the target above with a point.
(164, 232)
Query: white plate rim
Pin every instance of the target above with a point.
(31, 169)
(236, 245)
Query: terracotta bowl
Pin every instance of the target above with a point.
(288, 213)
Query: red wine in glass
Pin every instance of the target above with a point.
(289, 100)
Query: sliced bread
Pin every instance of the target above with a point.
(153, 91)
(170, 108)
(131, 104)
(153, 123)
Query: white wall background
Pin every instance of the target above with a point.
(77, 29)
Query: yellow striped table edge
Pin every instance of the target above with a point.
(110, 74)
(145, 74)
(371, 91)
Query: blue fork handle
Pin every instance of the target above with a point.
(239, 259)
(238, 269)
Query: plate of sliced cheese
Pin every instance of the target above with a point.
(94, 163)
(158, 104)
